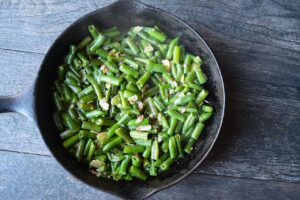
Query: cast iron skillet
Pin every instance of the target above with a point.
(37, 104)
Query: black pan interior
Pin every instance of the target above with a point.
(125, 14)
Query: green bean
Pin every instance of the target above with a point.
(159, 104)
(105, 122)
(201, 97)
(91, 152)
(86, 91)
(131, 63)
(70, 122)
(93, 31)
(161, 159)
(84, 134)
(125, 104)
(71, 55)
(200, 75)
(190, 77)
(191, 108)
(142, 81)
(142, 60)
(67, 133)
(129, 93)
(205, 116)
(136, 122)
(112, 130)
(176, 115)
(95, 85)
(112, 143)
(157, 34)
(90, 126)
(80, 149)
(155, 150)
(139, 135)
(189, 121)
(123, 134)
(165, 146)
(73, 114)
(124, 119)
(111, 79)
(146, 37)
(124, 165)
(166, 164)
(129, 71)
(184, 99)
(98, 41)
(206, 108)
(84, 42)
(132, 45)
(189, 146)
(153, 169)
(111, 66)
(132, 87)
(146, 94)
(58, 103)
(172, 45)
(102, 53)
(133, 149)
(173, 124)
(176, 55)
(136, 172)
(179, 127)
(147, 152)
(136, 161)
(152, 107)
(198, 130)
(103, 138)
(159, 68)
(88, 98)
(178, 145)
(83, 58)
(71, 141)
(172, 148)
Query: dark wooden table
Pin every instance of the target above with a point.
(257, 44)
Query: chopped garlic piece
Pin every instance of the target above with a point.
(97, 163)
(133, 99)
(137, 29)
(144, 128)
(148, 48)
(140, 105)
(167, 63)
(139, 118)
(104, 105)
(182, 109)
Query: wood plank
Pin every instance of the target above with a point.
(263, 144)
(252, 41)
(40, 177)
(260, 135)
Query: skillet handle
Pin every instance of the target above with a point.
(22, 103)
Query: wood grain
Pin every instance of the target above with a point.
(49, 181)
(252, 40)
(257, 44)
(263, 144)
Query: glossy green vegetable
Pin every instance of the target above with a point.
(130, 105)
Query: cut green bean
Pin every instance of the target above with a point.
(130, 104)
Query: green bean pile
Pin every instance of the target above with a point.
(130, 105)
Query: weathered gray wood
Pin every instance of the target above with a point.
(264, 144)
(252, 40)
(260, 136)
(257, 46)
(49, 181)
